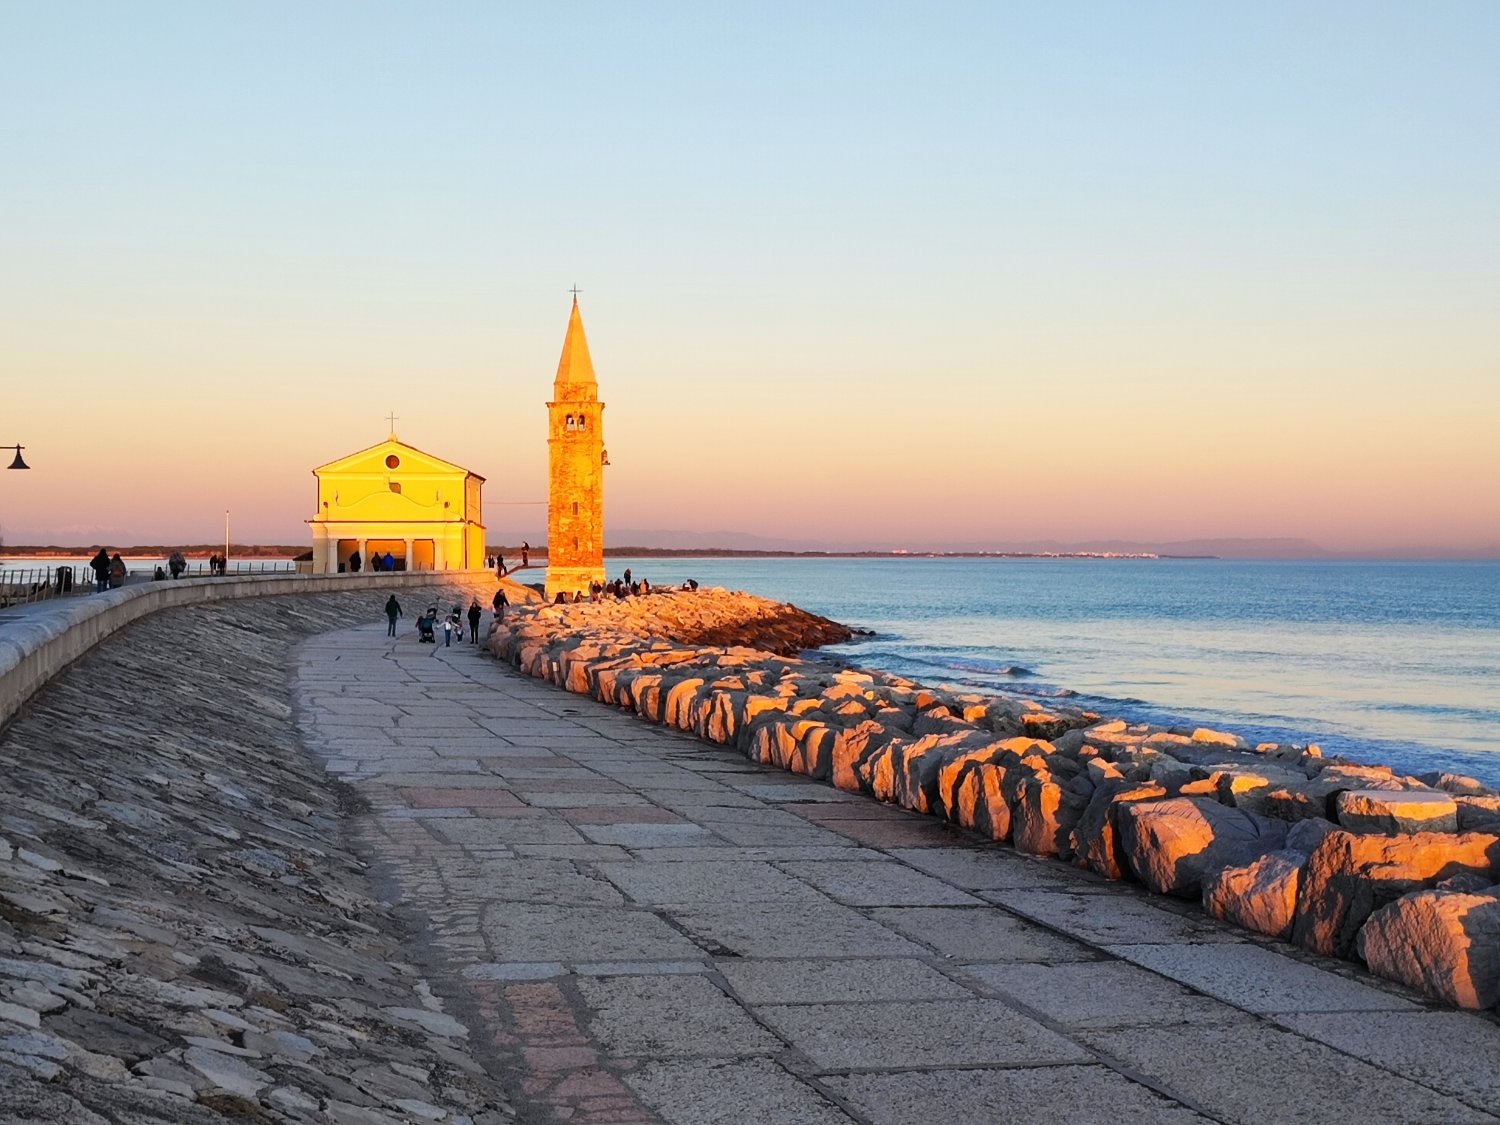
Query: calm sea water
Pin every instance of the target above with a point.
(1394, 662)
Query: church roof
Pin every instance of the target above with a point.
(424, 461)
(575, 368)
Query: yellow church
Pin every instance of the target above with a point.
(426, 513)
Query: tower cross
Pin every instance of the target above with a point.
(575, 291)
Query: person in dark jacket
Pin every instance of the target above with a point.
(99, 564)
(475, 613)
(392, 611)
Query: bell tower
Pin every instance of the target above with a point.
(575, 469)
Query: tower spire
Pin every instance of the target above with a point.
(575, 369)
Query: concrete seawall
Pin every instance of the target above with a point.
(38, 643)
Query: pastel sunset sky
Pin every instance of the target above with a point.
(905, 275)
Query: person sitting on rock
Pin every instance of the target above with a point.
(499, 604)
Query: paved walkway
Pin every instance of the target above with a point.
(641, 927)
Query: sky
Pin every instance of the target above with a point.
(886, 275)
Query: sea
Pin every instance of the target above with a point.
(1396, 663)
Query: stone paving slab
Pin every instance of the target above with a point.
(640, 927)
(918, 1034)
(1260, 980)
(731, 1092)
(1248, 1073)
(1060, 1095)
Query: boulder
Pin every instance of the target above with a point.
(1171, 845)
(852, 750)
(1392, 813)
(1095, 839)
(1453, 783)
(1478, 814)
(1219, 738)
(1447, 944)
(918, 783)
(1043, 816)
(1348, 877)
(979, 802)
(1260, 896)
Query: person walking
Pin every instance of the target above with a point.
(354, 561)
(450, 626)
(392, 611)
(176, 564)
(499, 566)
(475, 613)
(525, 554)
(118, 571)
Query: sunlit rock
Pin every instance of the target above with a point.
(1348, 877)
(1447, 944)
(1095, 841)
(1386, 812)
(1172, 844)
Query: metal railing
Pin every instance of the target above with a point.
(25, 585)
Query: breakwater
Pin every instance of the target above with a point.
(1340, 858)
(186, 935)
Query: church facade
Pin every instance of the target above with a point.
(575, 469)
(426, 513)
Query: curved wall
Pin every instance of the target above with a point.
(38, 642)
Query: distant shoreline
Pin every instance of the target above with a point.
(245, 551)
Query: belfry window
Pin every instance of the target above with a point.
(572, 422)
(583, 422)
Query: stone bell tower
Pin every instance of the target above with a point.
(575, 469)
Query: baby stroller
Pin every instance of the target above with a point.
(425, 625)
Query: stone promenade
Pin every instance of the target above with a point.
(641, 927)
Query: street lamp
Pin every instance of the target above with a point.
(17, 462)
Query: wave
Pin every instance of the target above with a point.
(978, 667)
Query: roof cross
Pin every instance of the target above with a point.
(392, 417)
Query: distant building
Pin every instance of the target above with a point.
(575, 469)
(426, 512)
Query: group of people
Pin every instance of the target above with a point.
(109, 571)
(378, 561)
(623, 587)
(453, 623)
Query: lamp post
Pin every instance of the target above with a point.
(17, 462)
